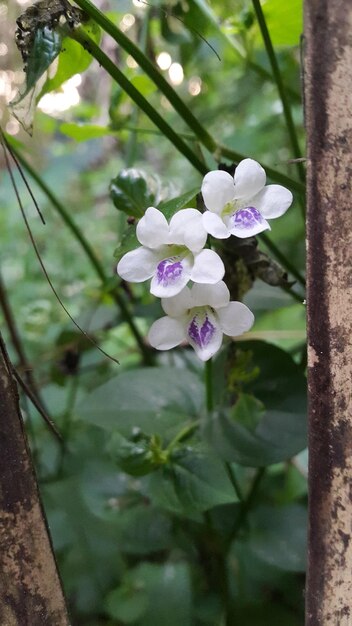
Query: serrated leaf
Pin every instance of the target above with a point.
(129, 193)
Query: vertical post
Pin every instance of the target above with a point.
(30, 588)
(328, 109)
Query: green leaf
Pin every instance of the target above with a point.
(46, 47)
(84, 132)
(278, 536)
(284, 21)
(143, 529)
(127, 603)
(73, 58)
(170, 207)
(247, 411)
(162, 594)
(129, 193)
(144, 84)
(156, 400)
(133, 457)
(128, 242)
(265, 614)
(192, 482)
(281, 432)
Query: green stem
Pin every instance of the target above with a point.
(282, 258)
(208, 373)
(81, 36)
(280, 86)
(182, 109)
(233, 478)
(247, 503)
(98, 267)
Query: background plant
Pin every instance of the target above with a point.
(161, 511)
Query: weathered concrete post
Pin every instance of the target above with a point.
(30, 588)
(328, 110)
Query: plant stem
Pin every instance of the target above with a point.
(282, 258)
(218, 150)
(98, 267)
(280, 86)
(233, 478)
(208, 374)
(247, 503)
(87, 42)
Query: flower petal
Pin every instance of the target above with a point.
(214, 225)
(235, 319)
(217, 190)
(249, 178)
(153, 230)
(171, 276)
(247, 222)
(186, 228)
(215, 296)
(207, 268)
(204, 333)
(166, 333)
(138, 265)
(273, 201)
(179, 304)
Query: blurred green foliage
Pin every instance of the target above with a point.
(162, 515)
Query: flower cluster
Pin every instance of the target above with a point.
(173, 254)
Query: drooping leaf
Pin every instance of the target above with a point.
(46, 47)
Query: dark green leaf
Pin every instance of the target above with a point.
(156, 400)
(194, 481)
(46, 47)
(129, 193)
(162, 593)
(186, 200)
(281, 432)
(278, 536)
(128, 242)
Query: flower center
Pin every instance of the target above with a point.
(169, 270)
(201, 330)
(248, 217)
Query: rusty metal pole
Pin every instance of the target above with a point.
(328, 108)
(30, 587)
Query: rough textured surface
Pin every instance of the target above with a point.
(30, 589)
(328, 108)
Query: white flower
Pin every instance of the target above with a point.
(171, 254)
(240, 205)
(200, 315)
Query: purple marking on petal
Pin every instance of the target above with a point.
(201, 335)
(169, 271)
(247, 217)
